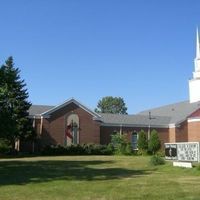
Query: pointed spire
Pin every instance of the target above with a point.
(197, 46)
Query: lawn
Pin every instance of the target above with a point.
(95, 177)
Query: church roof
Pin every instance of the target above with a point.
(177, 112)
(134, 120)
(160, 116)
(39, 109)
(45, 111)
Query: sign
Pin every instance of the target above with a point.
(182, 151)
(171, 151)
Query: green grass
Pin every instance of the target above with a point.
(95, 177)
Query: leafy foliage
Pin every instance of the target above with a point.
(4, 146)
(109, 104)
(157, 160)
(154, 142)
(85, 149)
(13, 104)
(121, 144)
(142, 142)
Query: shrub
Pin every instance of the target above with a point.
(120, 144)
(198, 167)
(85, 149)
(160, 153)
(4, 146)
(128, 149)
(154, 142)
(142, 142)
(157, 160)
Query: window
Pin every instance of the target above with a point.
(134, 140)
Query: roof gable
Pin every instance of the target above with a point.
(69, 101)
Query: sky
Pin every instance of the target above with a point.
(140, 50)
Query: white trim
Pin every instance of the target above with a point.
(193, 120)
(172, 125)
(72, 100)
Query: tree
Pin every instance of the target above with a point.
(14, 104)
(142, 142)
(154, 142)
(109, 104)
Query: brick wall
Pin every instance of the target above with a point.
(107, 131)
(53, 131)
(194, 131)
(182, 132)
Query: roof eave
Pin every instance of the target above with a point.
(135, 125)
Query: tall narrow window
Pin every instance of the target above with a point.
(72, 130)
(134, 140)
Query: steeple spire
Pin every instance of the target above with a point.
(196, 73)
(197, 46)
(194, 84)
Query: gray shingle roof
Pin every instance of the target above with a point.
(160, 117)
(38, 109)
(135, 120)
(178, 112)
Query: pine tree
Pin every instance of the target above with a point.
(14, 104)
(154, 142)
(142, 142)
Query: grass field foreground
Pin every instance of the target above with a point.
(95, 177)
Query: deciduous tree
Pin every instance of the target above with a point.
(109, 104)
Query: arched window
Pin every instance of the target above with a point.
(134, 139)
(72, 130)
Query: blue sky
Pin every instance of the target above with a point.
(141, 50)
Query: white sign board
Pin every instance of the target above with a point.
(183, 151)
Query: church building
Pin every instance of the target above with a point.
(74, 123)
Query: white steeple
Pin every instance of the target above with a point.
(197, 45)
(196, 73)
(194, 84)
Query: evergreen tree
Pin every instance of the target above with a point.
(142, 142)
(154, 142)
(14, 104)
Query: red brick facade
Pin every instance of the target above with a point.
(106, 131)
(53, 129)
(93, 131)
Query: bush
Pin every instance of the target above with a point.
(120, 144)
(198, 167)
(142, 142)
(4, 146)
(157, 160)
(154, 142)
(85, 149)
(160, 153)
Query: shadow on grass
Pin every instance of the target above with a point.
(24, 172)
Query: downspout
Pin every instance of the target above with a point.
(41, 124)
(33, 122)
(120, 130)
(33, 142)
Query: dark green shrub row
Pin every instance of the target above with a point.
(86, 149)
